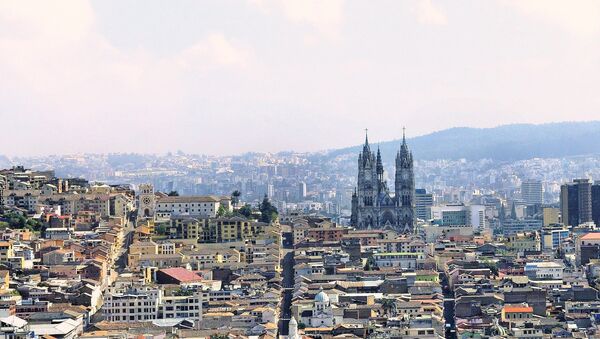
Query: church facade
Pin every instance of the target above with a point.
(373, 205)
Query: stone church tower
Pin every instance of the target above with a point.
(373, 206)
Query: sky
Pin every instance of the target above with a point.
(227, 77)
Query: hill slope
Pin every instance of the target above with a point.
(504, 143)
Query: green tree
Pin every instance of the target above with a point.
(268, 212)
(235, 197)
(173, 194)
(370, 265)
(246, 211)
(389, 307)
(221, 212)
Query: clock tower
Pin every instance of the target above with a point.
(146, 201)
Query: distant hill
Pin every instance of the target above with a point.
(503, 143)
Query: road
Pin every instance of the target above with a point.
(287, 263)
(121, 262)
(448, 308)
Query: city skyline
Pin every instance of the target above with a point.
(267, 74)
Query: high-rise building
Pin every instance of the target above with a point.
(373, 205)
(596, 203)
(576, 202)
(532, 192)
(301, 190)
(423, 203)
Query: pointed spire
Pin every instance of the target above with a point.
(366, 137)
(403, 134)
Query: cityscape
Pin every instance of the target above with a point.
(299, 169)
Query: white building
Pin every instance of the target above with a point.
(198, 206)
(321, 314)
(135, 304)
(146, 304)
(181, 307)
(398, 259)
(549, 270)
(459, 214)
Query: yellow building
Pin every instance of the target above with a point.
(550, 216)
(6, 250)
(140, 249)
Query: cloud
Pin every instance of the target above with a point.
(325, 17)
(580, 17)
(56, 66)
(430, 14)
(215, 51)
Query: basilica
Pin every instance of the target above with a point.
(373, 205)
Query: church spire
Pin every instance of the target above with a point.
(367, 155)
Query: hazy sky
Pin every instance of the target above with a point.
(260, 75)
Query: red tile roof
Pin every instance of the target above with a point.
(591, 236)
(181, 274)
(518, 309)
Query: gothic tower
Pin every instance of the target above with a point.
(373, 205)
(405, 188)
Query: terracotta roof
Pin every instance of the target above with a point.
(591, 236)
(518, 309)
(181, 274)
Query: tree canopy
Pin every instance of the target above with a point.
(268, 212)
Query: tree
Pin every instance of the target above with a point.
(235, 197)
(268, 212)
(221, 211)
(173, 194)
(370, 265)
(246, 211)
(389, 307)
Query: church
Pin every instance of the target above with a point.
(373, 205)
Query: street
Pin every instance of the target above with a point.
(288, 283)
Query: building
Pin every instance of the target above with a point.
(196, 206)
(596, 202)
(511, 226)
(550, 216)
(146, 201)
(587, 247)
(552, 237)
(187, 306)
(423, 203)
(373, 205)
(131, 305)
(532, 192)
(576, 202)
(459, 215)
(524, 242)
(214, 230)
(547, 270)
(301, 191)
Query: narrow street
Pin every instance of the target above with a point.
(448, 308)
(287, 263)
(121, 262)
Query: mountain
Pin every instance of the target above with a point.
(502, 143)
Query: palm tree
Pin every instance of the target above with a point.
(389, 307)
